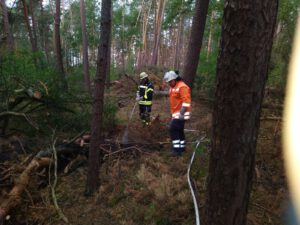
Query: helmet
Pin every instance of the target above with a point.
(143, 75)
(171, 75)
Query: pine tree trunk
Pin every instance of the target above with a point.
(57, 43)
(197, 32)
(144, 38)
(33, 26)
(98, 104)
(43, 28)
(7, 29)
(157, 30)
(177, 53)
(107, 80)
(143, 54)
(85, 47)
(246, 43)
(34, 32)
(31, 38)
(211, 28)
(173, 45)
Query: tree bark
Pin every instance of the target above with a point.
(34, 36)
(143, 56)
(247, 34)
(85, 47)
(193, 52)
(177, 54)
(211, 29)
(98, 104)
(21, 183)
(7, 30)
(31, 38)
(43, 28)
(57, 43)
(157, 31)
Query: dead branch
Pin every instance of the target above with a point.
(265, 209)
(270, 118)
(143, 152)
(78, 161)
(105, 150)
(126, 149)
(118, 151)
(6, 170)
(44, 86)
(22, 147)
(21, 115)
(272, 106)
(6, 177)
(29, 196)
(276, 128)
(58, 209)
(77, 136)
(14, 196)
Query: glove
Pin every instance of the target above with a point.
(137, 98)
(181, 117)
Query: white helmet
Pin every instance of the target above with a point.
(143, 75)
(171, 75)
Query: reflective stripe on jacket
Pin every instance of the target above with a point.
(180, 96)
(146, 93)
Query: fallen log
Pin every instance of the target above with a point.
(14, 196)
(41, 160)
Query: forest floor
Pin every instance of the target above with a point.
(142, 185)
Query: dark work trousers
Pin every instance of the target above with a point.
(177, 135)
(145, 114)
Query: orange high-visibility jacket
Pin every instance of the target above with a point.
(180, 96)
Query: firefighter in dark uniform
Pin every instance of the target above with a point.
(144, 97)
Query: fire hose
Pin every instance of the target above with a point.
(190, 184)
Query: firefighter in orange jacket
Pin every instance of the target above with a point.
(180, 104)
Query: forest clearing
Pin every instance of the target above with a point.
(149, 112)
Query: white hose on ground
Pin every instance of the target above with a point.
(190, 184)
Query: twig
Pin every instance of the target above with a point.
(29, 196)
(125, 149)
(8, 175)
(77, 136)
(118, 151)
(58, 209)
(276, 128)
(37, 207)
(26, 160)
(19, 114)
(75, 163)
(271, 118)
(22, 147)
(136, 148)
(6, 170)
(44, 86)
(105, 150)
(267, 210)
